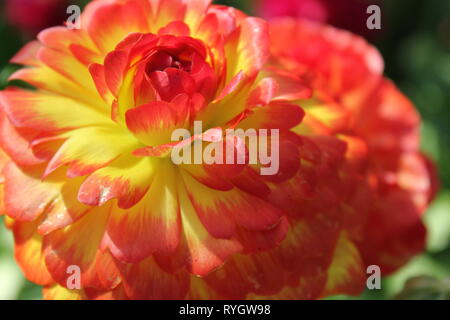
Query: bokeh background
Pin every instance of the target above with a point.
(415, 43)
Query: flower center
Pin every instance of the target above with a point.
(162, 60)
(170, 66)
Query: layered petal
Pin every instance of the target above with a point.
(47, 112)
(81, 249)
(325, 175)
(152, 225)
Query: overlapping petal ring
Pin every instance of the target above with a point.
(88, 180)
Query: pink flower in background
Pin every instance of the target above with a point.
(311, 9)
(345, 14)
(31, 16)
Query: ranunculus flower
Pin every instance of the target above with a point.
(345, 14)
(353, 101)
(89, 181)
(32, 16)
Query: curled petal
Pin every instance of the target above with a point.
(146, 280)
(83, 156)
(154, 122)
(157, 214)
(29, 253)
(78, 244)
(127, 179)
(205, 252)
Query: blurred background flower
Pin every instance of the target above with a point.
(31, 16)
(344, 14)
(415, 43)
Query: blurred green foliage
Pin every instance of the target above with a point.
(425, 287)
(415, 43)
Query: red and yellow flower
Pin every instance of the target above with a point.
(354, 102)
(88, 180)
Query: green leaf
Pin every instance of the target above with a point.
(425, 288)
